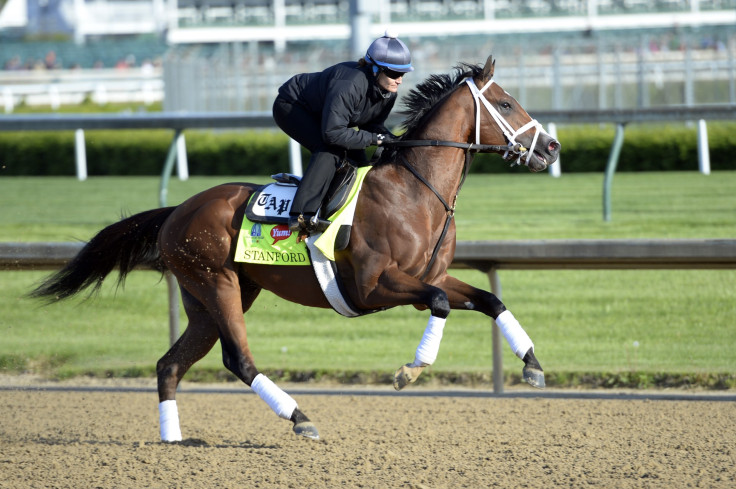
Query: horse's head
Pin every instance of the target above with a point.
(506, 120)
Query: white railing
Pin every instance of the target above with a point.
(485, 256)
(55, 88)
(179, 122)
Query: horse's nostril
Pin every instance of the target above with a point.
(553, 146)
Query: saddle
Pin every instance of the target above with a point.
(270, 204)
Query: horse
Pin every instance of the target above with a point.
(401, 244)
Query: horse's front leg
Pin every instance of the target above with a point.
(396, 288)
(425, 355)
(463, 296)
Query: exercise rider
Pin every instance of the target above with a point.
(321, 111)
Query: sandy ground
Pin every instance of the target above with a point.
(91, 438)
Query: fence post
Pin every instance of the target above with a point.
(703, 149)
(163, 191)
(171, 283)
(555, 169)
(54, 97)
(496, 343)
(182, 165)
(618, 141)
(295, 157)
(80, 155)
(8, 101)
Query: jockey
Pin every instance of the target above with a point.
(320, 111)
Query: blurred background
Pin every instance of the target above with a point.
(232, 55)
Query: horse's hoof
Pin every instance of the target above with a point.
(306, 429)
(534, 377)
(406, 375)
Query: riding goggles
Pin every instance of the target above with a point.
(393, 74)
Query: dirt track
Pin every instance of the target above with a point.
(110, 439)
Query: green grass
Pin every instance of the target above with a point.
(88, 107)
(585, 324)
(490, 207)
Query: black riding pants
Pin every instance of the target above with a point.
(306, 129)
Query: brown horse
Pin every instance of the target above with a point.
(402, 241)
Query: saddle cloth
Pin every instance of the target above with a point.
(271, 204)
(265, 238)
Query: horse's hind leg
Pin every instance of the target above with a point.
(237, 357)
(196, 341)
(226, 296)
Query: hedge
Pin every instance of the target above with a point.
(584, 149)
(646, 148)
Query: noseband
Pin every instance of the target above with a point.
(511, 149)
(514, 148)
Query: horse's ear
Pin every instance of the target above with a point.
(488, 68)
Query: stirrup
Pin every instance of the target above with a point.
(317, 225)
(312, 225)
(297, 224)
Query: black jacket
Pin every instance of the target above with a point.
(343, 96)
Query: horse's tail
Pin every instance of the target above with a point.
(126, 244)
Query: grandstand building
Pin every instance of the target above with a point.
(231, 55)
(283, 21)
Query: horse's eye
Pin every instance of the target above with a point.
(505, 105)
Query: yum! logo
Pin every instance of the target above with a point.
(279, 233)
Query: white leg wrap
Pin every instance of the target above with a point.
(168, 418)
(278, 400)
(518, 340)
(430, 345)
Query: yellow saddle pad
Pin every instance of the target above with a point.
(274, 244)
(269, 244)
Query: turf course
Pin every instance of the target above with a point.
(612, 328)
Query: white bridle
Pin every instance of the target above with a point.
(508, 131)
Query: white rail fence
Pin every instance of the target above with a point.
(214, 120)
(179, 122)
(55, 88)
(485, 256)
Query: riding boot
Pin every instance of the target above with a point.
(312, 189)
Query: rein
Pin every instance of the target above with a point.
(469, 148)
(474, 147)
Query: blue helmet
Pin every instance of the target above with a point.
(389, 52)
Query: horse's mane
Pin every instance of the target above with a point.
(421, 99)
